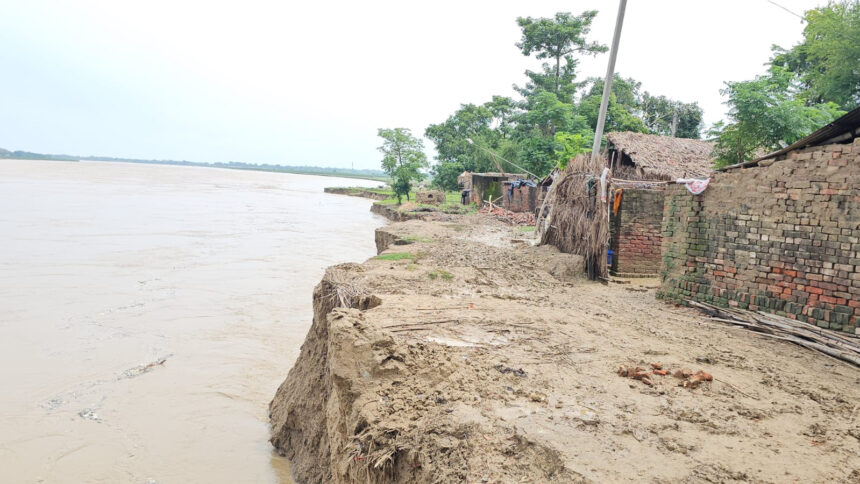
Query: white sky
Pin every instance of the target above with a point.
(310, 82)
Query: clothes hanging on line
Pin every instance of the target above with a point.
(519, 183)
(693, 185)
(616, 203)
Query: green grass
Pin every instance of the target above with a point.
(411, 239)
(527, 228)
(396, 256)
(392, 200)
(452, 197)
(411, 267)
(444, 275)
(381, 191)
(451, 205)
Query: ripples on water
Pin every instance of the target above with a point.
(148, 313)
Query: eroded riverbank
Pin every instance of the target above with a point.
(465, 354)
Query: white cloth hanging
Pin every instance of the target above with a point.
(695, 186)
(603, 184)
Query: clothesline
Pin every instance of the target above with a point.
(654, 182)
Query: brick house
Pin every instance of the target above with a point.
(778, 234)
(640, 163)
(520, 197)
(486, 186)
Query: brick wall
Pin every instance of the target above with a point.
(522, 199)
(636, 238)
(781, 238)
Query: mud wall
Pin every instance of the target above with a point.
(430, 197)
(312, 414)
(783, 237)
(390, 212)
(298, 413)
(636, 232)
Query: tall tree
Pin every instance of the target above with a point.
(403, 158)
(543, 129)
(622, 113)
(558, 38)
(668, 117)
(827, 61)
(765, 114)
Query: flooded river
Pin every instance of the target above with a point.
(148, 313)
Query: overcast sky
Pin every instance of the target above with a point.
(308, 83)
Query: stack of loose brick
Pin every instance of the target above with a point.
(783, 237)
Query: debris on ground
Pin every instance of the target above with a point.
(512, 218)
(141, 369)
(839, 345)
(507, 369)
(688, 378)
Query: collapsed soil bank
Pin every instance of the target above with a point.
(472, 356)
(355, 192)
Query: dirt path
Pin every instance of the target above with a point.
(484, 359)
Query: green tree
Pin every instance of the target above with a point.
(624, 105)
(490, 128)
(558, 38)
(568, 146)
(445, 174)
(403, 158)
(827, 61)
(545, 116)
(765, 114)
(451, 136)
(503, 110)
(668, 117)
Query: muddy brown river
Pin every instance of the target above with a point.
(148, 314)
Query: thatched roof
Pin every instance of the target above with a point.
(665, 157)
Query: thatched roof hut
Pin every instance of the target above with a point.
(660, 157)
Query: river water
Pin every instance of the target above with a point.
(108, 267)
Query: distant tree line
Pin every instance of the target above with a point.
(236, 165)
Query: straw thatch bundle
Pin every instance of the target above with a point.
(577, 221)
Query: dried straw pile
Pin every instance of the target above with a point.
(578, 222)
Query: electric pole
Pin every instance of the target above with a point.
(674, 119)
(607, 83)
